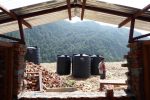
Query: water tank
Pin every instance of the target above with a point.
(63, 64)
(95, 60)
(33, 54)
(81, 66)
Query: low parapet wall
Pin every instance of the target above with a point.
(109, 95)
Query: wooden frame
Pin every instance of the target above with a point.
(131, 30)
(8, 53)
(76, 4)
(20, 22)
(132, 19)
(139, 13)
(9, 37)
(14, 16)
(83, 9)
(69, 9)
(146, 52)
(110, 82)
(5, 44)
(141, 36)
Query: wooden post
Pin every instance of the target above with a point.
(109, 94)
(40, 81)
(69, 9)
(131, 30)
(83, 9)
(146, 53)
(21, 31)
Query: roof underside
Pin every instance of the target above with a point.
(51, 11)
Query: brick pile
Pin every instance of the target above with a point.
(49, 79)
(135, 66)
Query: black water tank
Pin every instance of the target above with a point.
(95, 60)
(81, 66)
(72, 59)
(33, 54)
(63, 64)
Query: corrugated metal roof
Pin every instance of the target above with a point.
(35, 21)
(114, 19)
(55, 10)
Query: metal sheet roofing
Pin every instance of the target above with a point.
(35, 21)
(51, 11)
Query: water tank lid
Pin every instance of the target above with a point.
(63, 56)
(81, 54)
(93, 56)
(31, 47)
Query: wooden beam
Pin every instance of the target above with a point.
(5, 44)
(83, 9)
(21, 31)
(14, 16)
(33, 14)
(131, 30)
(46, 11)
(40, 81)
(124, 22)
(11, 38)
(141, 36)
(113, 12)
(69, 9)
(139, 13)
(98, 9)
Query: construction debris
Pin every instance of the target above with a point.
(49, 79)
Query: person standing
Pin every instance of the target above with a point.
(102, 69)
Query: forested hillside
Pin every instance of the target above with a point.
(87, 37)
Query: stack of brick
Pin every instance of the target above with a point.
(135, 67)
(49, 79)
(32, 82)
(19, 67)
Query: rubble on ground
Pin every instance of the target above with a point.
(49, 79)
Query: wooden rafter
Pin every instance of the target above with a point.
(11, 38)
(20, 22)
(69, 9)
(64, 7)
(83, 9)
(141, 36)
(131, 30)
(14, 16)
(139, 13)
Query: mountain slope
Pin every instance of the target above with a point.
(87, 37)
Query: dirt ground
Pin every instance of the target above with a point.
(114, 71)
